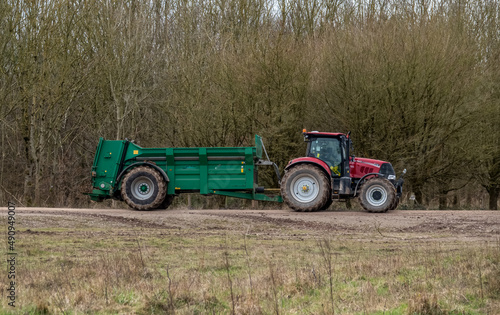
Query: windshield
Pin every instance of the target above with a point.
(328, 150)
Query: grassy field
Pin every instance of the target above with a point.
(94, 265)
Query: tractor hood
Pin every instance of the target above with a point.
(363, 166)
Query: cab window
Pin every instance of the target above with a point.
(328, 150)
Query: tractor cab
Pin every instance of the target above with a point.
(331, 148)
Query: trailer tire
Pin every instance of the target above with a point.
(167, 202)
(143, 188)
(305, 188)
(377, 195)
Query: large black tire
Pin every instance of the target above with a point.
(143, 188)
(395, 204)
(166, 202)
(377, 195)
(327, 204)
(305, 188)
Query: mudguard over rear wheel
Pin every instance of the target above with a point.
(377, 195)
(143, 188)
(305, 188)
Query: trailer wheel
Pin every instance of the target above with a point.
(166, 202)
(305, 188)
(143, 188)
(377, 195)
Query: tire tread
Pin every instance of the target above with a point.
(391, 193)
(323, 195)
(160, 197)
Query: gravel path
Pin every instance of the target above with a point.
(452, 225)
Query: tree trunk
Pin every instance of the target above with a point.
(36, 149)
(493, 192)
(442, 201)
(455, 201)
(418, 196)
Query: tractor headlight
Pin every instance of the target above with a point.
(391, 177)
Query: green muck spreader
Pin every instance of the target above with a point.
(149, 178)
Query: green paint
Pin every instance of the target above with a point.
(228, 171)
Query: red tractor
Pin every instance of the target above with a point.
(329, 172)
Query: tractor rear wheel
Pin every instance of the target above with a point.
(143, 188)
(377, 195)
(327, 204)
(305, 188)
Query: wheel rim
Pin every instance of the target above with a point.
(376, 195)
(142, 188)
(305, 188)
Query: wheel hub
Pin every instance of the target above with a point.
(305, 188)
(142, 188)
(376, 195)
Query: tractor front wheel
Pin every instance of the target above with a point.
(394, 204)
(305, 188)
(143, 188)
(377, 195)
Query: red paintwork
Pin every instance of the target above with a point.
(363, 166)
(357, 169)
(309, 160)
(334, 134)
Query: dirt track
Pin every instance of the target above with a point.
(402, 224)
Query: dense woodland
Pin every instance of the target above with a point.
(416, 82)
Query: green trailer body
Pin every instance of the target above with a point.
(229, 171)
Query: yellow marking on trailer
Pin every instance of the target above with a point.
(136, 151)
(177, 188)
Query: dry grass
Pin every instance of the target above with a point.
(202, 270)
